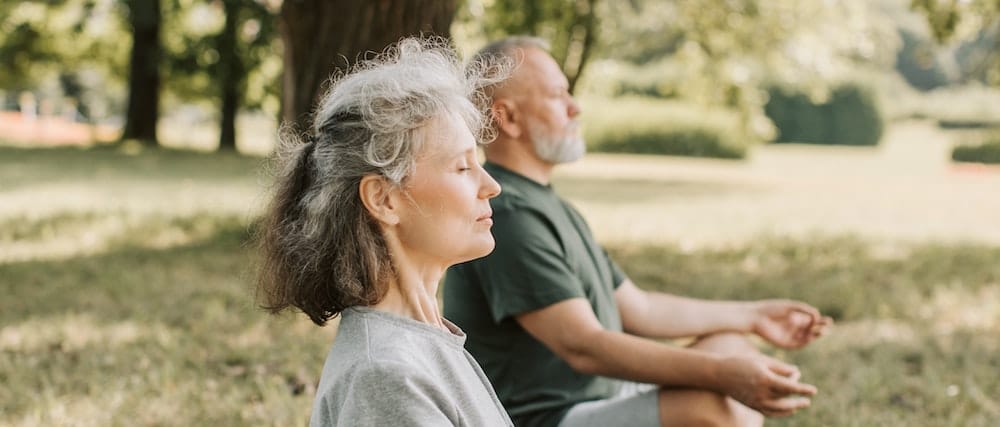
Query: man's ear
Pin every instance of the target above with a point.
(376, 194)
(508, 119)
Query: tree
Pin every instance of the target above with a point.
(323, 36)
(231, 75)
(570, 26)
(221, 54)
(725, 53)
(75, 44)
(973, 19)
(144, 72)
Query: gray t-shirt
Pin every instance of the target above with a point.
(387, 370)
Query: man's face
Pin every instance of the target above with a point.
(549, 111)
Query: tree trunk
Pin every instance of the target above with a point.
(231, 76)
(144, 72)
(323, 36)
(581, 42)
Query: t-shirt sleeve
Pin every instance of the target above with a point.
(527, 270)
(617, 274)
(383, 395)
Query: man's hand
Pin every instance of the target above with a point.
(764, 384)
(788, 324)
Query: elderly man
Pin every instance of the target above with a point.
(565, 337)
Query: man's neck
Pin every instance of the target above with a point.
(521, 161)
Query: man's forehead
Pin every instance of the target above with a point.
(536, 67)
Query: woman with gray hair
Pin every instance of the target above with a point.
(385, 194)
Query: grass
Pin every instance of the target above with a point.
(912, 345)
(128, 300)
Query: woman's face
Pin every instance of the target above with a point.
(448, 217)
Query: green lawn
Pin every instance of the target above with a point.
(127, 300)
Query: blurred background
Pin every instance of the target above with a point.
(842, 152)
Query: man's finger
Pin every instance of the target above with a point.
(785, 406)
(782, 368)
(808, 310)
(785, 386)
(820, 328)
(777, 414)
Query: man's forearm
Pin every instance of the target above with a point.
(620, 355)
(659, 315)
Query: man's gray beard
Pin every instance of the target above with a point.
(568, 149)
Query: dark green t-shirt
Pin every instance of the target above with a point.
(545, 253)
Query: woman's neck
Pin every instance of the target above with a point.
(412, 293)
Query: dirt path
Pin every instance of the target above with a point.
(906, 190)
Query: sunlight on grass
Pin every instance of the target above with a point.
(69, 235)
(74, 332)
(953, 308)
(903, 192)
(164, 197)
(871, 332)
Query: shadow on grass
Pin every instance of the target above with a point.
(144, 335)
(130, 279)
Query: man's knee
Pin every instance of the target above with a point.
(703, 409)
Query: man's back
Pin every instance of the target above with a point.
(544, 254)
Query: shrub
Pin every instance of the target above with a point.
(851, 116)
(985, 152)
(645, 126)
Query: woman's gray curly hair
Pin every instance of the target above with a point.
(322, 251)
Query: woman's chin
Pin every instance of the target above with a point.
(480, 250)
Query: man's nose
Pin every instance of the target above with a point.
(574, 107)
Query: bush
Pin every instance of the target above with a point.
(645, 126)
(985, 152)
(851, 116)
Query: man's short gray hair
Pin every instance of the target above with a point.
(322, 250)
(508, 51)
(509, 48)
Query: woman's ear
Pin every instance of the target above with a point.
(376, 194)
(507, 118)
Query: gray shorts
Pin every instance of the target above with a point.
(636, 405)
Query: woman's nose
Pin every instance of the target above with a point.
(489, 188)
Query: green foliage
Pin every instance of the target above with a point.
(987, 151)
(646, 126)
(67, 48)
(570, 26)
(973, 19)
(976, 56)
(721, 53)
(851, 116)
(917, 63)
(192, 60)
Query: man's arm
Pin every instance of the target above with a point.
(788, 324)
(571, 330)
(660, 315)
